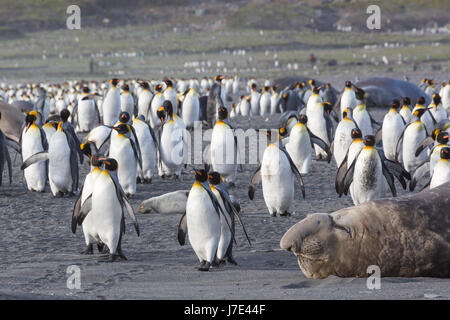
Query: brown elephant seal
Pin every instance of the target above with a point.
(405, 237)
(11, 121)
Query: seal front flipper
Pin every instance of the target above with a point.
(40, 156)
(182, 230)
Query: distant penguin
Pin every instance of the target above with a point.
(224, 150)
(244, 106)
(348, 98)
(278, 173)
(264, 102)
(441, 171)
(111, 104)
(124, 151)
(171, 145)
(254, 100)
(86, 111)
(148, 144)
(214, 100)
(33, 141)
(413, 134)
(437, 110)
(446, 97)
(62, 165)
(156, 103)
(321, 126)
(171, 94)
(426, 117)
(102, 214)
(405, 111)
(343, 136)
(144, 99)
(314, 99)
(392, 128)
(274, 101)
(49, 129)
(127, 101)
(366, 174)
(202, 221)
(191, 109)
(360, 114)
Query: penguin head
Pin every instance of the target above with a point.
(219, 78)
(86, 149)
(445, 153)
(124, 117)
(114, 82)
(303, 118)
(96, 160)
(356, 133)
(126, 88)
(122, 128)
(222, 113)
(316, 90)
(348, 84)
(85, 90)
(436, 99)
(328, 107)
(395, 104)
(110, 164)
(312, 83)
(158, 87)
(282, 132)
(360, 94)
(419, 112)
(253, 86)
(421, 101)
(64, 114)
(214, 178)
(201, 175)
(369, 140)
(441, 137)
(168, 108)
(29, 120)
(168, 83)
(161, 113)
(345, 113)
(406, 101)
(145, 85)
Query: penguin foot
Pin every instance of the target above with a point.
(129, 195)
(232, 261)
(204, 267)
(89, 250)
(216, 263)
(285, 214)
(102, 248)
(231, 185)
(138, 180)
(273, 214)
(70, 194)
(148, 180)
(163, 176)
(59, 194)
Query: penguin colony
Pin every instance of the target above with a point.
(133, 130)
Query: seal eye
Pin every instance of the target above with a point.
(339, 227)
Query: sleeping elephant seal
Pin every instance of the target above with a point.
(11, 121)
(405, 236)
(172, 202)
(381, 91)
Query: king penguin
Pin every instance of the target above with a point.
(441, 171)
(224, 150)
(157, 102)
(360, 114)
(191, 109)
(104, 212)
(202, 221)
(127, 101)
(343, 136)
(171, 94)
(277, 172)
(144, 99)
(348, 98)
(148, 144)
(392, 128)
(111, 104)
(405, 111)
(33, 141)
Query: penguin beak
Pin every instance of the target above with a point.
(28, 126)
(162, 120)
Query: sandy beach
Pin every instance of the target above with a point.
(38, 247)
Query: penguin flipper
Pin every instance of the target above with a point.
(76, 210)
(182, 230)
(229, 205)
(130, 211)
(423, 145)
(378, 135)
(8, 161)
(340, 175)
(389, 178)
(40, 156)
(136, 151)
(319, 142)
(256, 178)
(348, 178)
(418, 174)
(13, 144)
(400, 139)
(295, 171)
(207, 155)
(84, 210)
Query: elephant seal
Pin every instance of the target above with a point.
(172, 202)
(382, 90)
(11, 121)
(406, 237)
